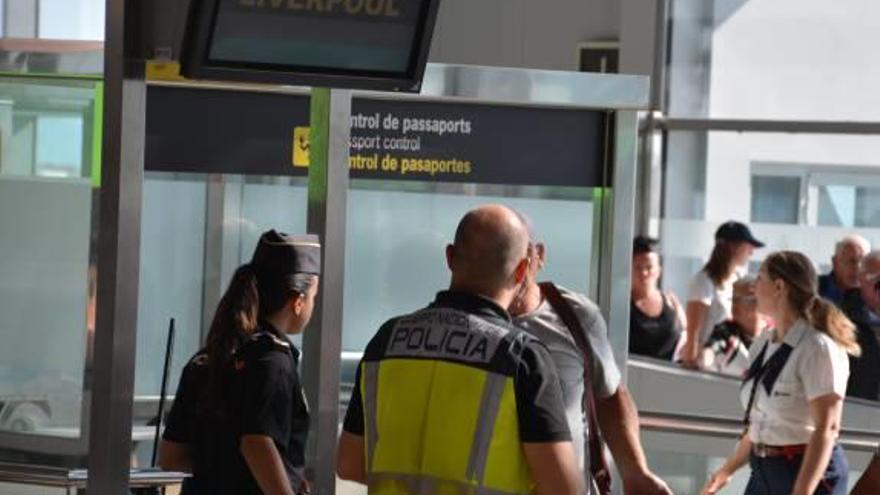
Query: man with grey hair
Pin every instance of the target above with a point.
(862, 306)
(615, 410)
(844, 276)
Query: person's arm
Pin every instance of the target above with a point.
(554, 469)
(678, 308)
(869, 483)
(619, 422)
(696, 314)
(265, 464)
(825, 412)
(721, 477)
(174, 452)
(174, 456)
(350, 458)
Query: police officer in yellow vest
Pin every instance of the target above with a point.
(453, 399)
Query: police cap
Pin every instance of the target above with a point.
(286, 255)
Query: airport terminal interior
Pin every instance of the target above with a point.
(132, 189)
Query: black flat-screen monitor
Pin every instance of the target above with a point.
(357, 44)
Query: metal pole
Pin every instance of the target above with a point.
(658, 74)
(110, 418)
(322, 342)
(617, 250)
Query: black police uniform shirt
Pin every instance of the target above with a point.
(540, 408)
(263, 396)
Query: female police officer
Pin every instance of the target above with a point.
(239, 420)
(794, 388)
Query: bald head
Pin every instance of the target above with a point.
(489, 244)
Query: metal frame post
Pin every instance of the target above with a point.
(614, 293)
(322, 342)
(110, 417)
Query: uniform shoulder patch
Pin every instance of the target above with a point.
(259, 345)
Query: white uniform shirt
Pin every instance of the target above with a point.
(703, 290)
(817, 366)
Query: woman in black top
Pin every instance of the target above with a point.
(239, 420)
(656, 319)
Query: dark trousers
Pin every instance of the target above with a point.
(776, 475)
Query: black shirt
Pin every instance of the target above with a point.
(540, 408)
(864, 370)
(655, 337)
(262, 396)
(725, 335)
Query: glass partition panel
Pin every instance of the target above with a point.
(685, 460)
(47, 126)
(797, 191)
(397, 234)
(784, 60)
(171, 275)
(196, 229)
(47, 204)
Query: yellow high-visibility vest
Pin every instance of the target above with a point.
(440, 409)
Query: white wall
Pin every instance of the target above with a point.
(797, 59)
(793, 60)
(71, 19)
(783, 60)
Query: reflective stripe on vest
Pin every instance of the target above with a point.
(438, 427)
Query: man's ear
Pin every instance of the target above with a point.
(541, 252)
(450, 256)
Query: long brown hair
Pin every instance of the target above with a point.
(798, 274)
(720, 267)
(251, 296)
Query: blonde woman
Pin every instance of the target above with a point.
(794, 388)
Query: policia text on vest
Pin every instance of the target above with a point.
(445, 334)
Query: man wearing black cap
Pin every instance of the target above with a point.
(710, 291)
(240, 419)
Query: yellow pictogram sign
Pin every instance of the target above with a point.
(301, 146)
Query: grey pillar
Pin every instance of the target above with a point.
(322, 342)
(109, 425)
(21, 18)
(637, 36)
(617, 237)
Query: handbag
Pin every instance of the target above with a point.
(599, 468)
